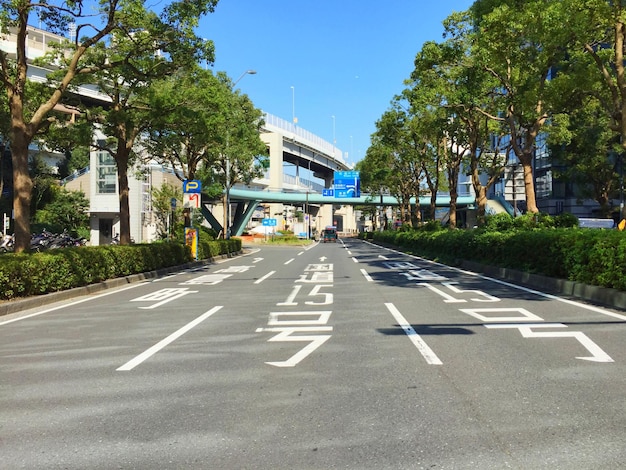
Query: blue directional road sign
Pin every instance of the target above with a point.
(347, 184)
(269, 222)
(327, 193)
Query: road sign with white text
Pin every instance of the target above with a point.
(347, 184)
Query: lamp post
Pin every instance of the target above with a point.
(247, 72)
(227, 208)
(293, 105)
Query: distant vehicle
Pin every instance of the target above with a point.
(329, 234)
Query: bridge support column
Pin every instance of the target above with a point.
(274, 142)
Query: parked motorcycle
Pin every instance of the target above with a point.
(45, 240)
(7, 243)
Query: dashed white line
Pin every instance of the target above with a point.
(420, 344)
(289, 261)
(260, 280)
(164, 342)
(366, 276)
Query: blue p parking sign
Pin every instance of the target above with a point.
(192, 186)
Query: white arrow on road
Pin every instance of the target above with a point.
(323, 258)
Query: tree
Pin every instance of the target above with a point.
(582, 146)
(437, 88)
(473, 104)
(156, 47)
(67, 210)
(241, 155)
(166, 218)
(403, 179)
(204, 129)
(522, 45)
(600, 34)
(30, 114)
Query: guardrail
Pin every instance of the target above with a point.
(304, 136)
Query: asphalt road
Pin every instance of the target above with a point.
(343, 355)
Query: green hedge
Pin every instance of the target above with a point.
(590, 256)
(27, 274)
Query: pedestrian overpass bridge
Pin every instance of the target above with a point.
(247, 201)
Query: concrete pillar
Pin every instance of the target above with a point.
(274, 142)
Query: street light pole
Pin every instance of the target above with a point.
(227, 208)
(247, 72)
(293, 105)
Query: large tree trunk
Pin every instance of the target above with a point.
(526, 160)
(481, 203)
(22, 189)
(416, 216)
(454, 195)
(122, 181)
(226, 211)
(453, 179)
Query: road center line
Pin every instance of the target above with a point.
(164, 342)
(420, 344)
(260, 280)
(289, 261)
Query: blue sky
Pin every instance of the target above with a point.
(343, 58)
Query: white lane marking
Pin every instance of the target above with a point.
(420, 344)
(164, 342)
(597, 354)
(256, 260)
(322, 259)
(289, 261)
(71, 304)
(301, 253)
(366, 276)
(260, 280)
(355, 260)
(349, 252)
(383, 257)
(514, 286)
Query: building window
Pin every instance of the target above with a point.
(106, 174)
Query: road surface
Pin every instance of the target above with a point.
(333, 356)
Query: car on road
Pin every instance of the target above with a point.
(329, 234)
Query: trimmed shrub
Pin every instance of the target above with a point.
(27, 274)
(596, 257)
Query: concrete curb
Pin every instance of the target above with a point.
(604, 296)
(601, 295)
(18, 305)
